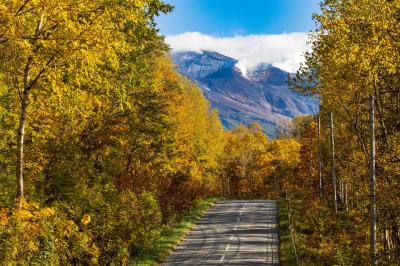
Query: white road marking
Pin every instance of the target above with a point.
(263, 242)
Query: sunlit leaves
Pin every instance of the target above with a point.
(355, 54)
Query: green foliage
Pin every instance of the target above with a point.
(32, 235)
(149, 221)
(110, 129)
(287, 253)
(117, 143)
(355, 54)
(173, 232)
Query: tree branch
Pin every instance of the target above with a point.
(39, 75)
(22, 7)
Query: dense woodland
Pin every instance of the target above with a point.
(350, 187)
(103, 143)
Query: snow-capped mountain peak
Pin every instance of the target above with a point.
(261, 95)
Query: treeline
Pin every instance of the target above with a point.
(347, 189)
(253, 166)
(102, 142)
(107, 142)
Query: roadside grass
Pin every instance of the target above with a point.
(287, 255)
(306, 255)
(172, 235)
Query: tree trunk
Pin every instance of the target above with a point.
(229, 186)
(20, 149)
(333, 165)
(24, 98)
(385, 241)
(292, 230)
(372, 184)
(346, 197)
(319, 157)
(341, 190)
(310, 164)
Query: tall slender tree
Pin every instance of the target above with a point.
(333, 170)
(319, 156)
(372, 184)
(310, 165)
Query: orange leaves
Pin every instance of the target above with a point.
(356, 54)
(24, 230)
(86, 219)
(255, 166)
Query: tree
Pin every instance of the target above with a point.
(333, 169)
(372, 184)
(320, 185)
(353, 59)
(246, 161)
(46, 45)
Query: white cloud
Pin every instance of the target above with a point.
(281, 50)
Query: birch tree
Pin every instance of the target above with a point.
(333, 169)
(372, 184)
(47, 44)
(320, 189)
(355, 55)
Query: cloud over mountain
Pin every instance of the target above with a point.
(284, 51)
(263, 96)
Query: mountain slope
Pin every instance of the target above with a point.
(261, 96)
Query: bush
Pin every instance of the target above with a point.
(32, 235)
(117, 229)
(147, 223)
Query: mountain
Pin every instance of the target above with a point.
(261, 95)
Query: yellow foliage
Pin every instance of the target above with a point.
(85, 219)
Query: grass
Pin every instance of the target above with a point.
(172, 235)
(286, 248)
(305, 254)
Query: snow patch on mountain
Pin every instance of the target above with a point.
(285, 51)
(243, 95)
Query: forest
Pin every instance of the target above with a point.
(103, 144)
(349, 191)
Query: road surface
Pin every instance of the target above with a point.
(232, 232)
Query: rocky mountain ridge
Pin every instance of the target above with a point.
(261, 95)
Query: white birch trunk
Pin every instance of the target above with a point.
(24, 97)
(333, 171)
(372, 184)
(319, 157)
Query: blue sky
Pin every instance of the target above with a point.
(252, 31)
(238, 17)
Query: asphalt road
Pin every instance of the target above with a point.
(232, 232)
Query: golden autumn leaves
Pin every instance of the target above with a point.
(355, 58)
(108, 142)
